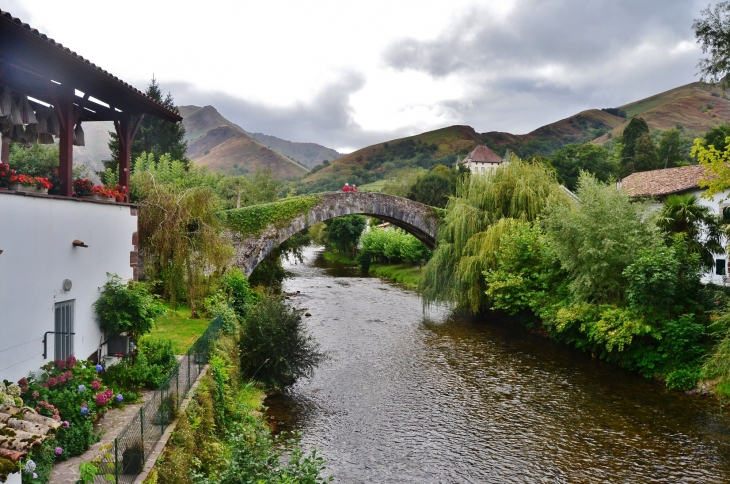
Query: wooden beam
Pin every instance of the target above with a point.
(125, 147)
(5, 151)
(65, 112)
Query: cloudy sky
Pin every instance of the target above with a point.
(346, 74)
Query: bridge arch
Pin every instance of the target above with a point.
(413, 217)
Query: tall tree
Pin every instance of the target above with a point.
(154, 135)
(713, 34)
(717, 136)
(570, 160)
(636, 128)
(669, 153)
(645, 157)
(484, 208)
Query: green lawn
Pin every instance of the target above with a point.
(376, 186)
(400, 273)
(178, 326)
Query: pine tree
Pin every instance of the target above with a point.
(632, 133)
(154, 135)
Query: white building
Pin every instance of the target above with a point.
(659, 184)
(481, 160)
(55, 254)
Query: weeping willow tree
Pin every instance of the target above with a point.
(485, 207)
(181, 237)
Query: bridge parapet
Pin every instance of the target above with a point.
(415, 218)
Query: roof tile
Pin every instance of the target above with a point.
(663, 182)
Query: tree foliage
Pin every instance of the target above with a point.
(570, 160)
(669, 152)
(154, 135)
(342, 233)
(683, 214)
(181, 237)
(717, 166)
(433, 189)
(484, 208)
(712, 31)
(636, 128)
(277, 347)
(596, 239)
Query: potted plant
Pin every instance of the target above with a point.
(100, 192)
(5, 173)
(24, 182)
(83, 187)
(42, 184)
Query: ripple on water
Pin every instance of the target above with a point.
(414, 400)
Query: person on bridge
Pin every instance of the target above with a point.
(346, 188)
(354, 188)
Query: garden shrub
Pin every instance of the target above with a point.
(70, 391)
(149, 368)
(223, 438)
(275, 345)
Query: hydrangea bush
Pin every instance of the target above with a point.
(70, 391)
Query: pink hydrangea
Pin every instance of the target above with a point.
(95, 385)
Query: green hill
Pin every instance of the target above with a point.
(694, 108)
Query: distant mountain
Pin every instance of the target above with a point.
(223, 146)
(308, 154)
(694, 109)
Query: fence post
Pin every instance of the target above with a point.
(116, 461)
(141, 428)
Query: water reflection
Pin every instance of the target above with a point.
(405, 398)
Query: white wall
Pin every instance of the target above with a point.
(714, 205)
(36, 235)
(14, 478)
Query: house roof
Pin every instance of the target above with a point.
(32, 61)
(482, 154)
(663, 182)
(21, 430)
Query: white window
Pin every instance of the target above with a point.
(64, 329)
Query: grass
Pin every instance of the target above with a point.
(338, 258)
(376, 186)
(405, 274)
(401, 273)
(177, 325)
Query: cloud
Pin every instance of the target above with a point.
(548, 58)
(327, 119)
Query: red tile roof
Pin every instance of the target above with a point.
(663, 182)
(482, 154)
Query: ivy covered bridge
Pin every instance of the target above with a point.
(258, 229)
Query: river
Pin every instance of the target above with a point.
(409, 397)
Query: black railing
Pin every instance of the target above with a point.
(124, 460)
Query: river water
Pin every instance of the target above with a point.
(414, 397)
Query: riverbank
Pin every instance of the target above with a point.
(405, 274)
(224, 437)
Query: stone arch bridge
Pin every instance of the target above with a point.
(413, 217)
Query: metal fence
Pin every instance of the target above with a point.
(125, 459)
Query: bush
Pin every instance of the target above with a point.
(683, 379)
(149, 368)
(236, 284)
(126, 307)
(275, 345)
